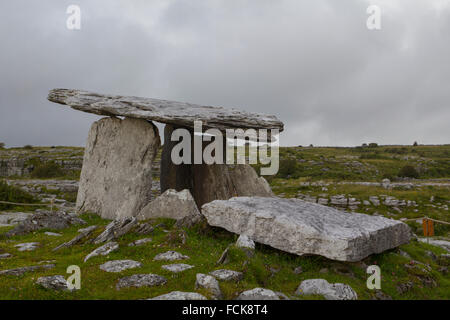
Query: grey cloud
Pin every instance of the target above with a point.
(314, 64)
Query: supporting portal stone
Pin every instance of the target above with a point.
(209, 182)
(117, 167)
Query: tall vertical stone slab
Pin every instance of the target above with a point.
(117, 167)
(209, 182)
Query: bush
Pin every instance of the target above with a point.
(415, 144)
(13, 194)
(373, 145)
(408, 172)
(2, 145)
(288, 167)
(28, 147)
(47, 170)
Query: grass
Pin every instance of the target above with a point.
(268, 268)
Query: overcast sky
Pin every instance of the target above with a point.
(313, 64)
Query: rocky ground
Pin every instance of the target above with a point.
(157, 259)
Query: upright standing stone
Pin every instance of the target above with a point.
(117, 168)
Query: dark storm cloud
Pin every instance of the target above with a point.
(314, 64)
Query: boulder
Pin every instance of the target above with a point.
(116, 176)
(336, 291)
(204, 281)
(116, 229)
(45, 220)
(179, 295)
(141, 280)
(170, 256)
(300, 227)
(171, 204)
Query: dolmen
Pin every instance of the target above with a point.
(116, 178)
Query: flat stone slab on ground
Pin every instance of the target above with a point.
(103, 250)
(437, 242)
(5, 255)
(258, 294)
(179, 295)
(170, 256)
(58, 283)
(52, 234)
(29, 246)
(141, 280)
(119, 265)
(177, 267)
(140, 242)
(227, 275)
(171, 112)
(335, 291)
(23, 270)
(300, 227)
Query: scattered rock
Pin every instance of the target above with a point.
(58, 283)
(116, 177)
(402, 288)
(140, 242)
(437, 242)
(335, 291)
(380, 295)
(245, 242)
(204, 281)
(84, 233)
(258, 294)
(444, 259)
(119, 265)
(23, 270)
(29, 246)
(141, 280)
(52, 234)
(5, 255)
(45, 220)
(144, 228)
(298, 270)
(300, 227)
(103, 250)
(179, 295)
(171, 204)
(431, 255)
(170, 256)
(227, 275)
(224, 259)
(177, 267)
(404, 254)
(116, 229)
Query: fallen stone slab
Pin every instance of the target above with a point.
(28, 246)
(141, 280)
(335, 291)
(140, 242)
(52, 234)
(259, 294)
(177, 267)
(20, 271)
(204, 281)
(171, 204)
(144, 228)
(437, 242)
(179, 295)
(5, 255)
(120, 265)
(58, 283)
(172, 112)
(227, 275)
(103, 250)
(170, 256)
(45, 220)
(84, 233)
(116, 229)
(116, 177)
(300, 227)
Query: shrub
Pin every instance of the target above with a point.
(47, 170)
(408, 172)
(373, 145)
(415, 144)
(288, 167)
(2, 145)
(13, 194)
(28, 147)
